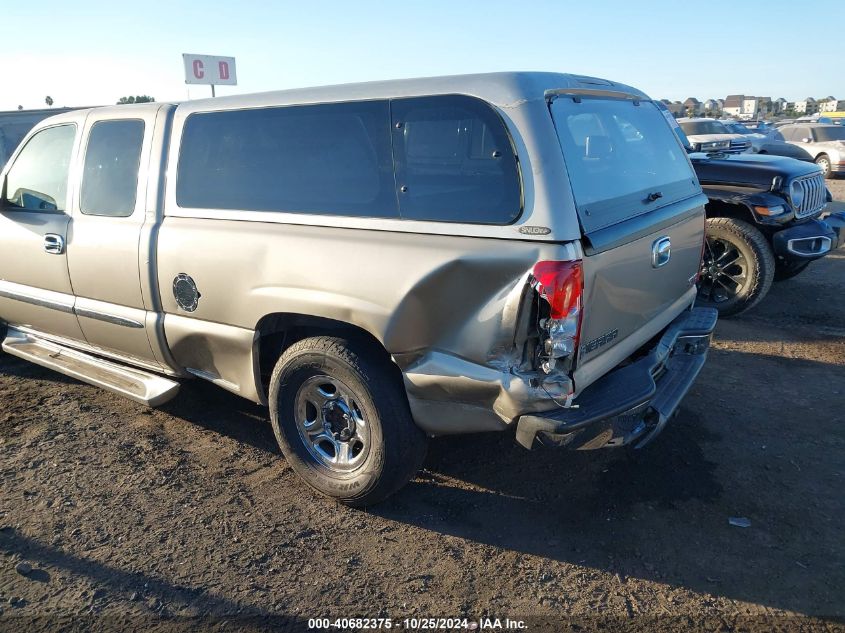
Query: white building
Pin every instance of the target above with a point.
(807, 106)
(749, 108)
(832, 105)
(733, 105)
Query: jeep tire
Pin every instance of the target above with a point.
(341, 418)
(737, 269)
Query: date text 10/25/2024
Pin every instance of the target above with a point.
(418, 624)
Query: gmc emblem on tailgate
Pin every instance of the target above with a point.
(661, 251)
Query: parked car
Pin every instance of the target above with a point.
(377, 263)
(709, 135)
(758, 127)
(763, 224)
(822, 143)
(813, 118)
(770, 143)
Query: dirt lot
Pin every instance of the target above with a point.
(187, 518)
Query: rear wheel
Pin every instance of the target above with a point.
(788, 270)
(823, 161)
(341, 418)
(737, 269)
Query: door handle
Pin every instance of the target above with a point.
(54, 244)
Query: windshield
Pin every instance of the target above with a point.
(617, 152)
(703, 127)
(737, 128)
(832, 133)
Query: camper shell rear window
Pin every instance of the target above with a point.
(622, 157)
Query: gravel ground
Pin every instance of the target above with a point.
(187, 518)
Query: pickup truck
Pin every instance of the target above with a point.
(376, 263)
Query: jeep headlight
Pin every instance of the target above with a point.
(796, 195)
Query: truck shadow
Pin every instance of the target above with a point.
(663, 514)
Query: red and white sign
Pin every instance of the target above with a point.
(210, 69)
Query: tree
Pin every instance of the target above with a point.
(20, 107)
(136, 99)
(49, 101)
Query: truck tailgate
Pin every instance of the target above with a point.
(636, 280)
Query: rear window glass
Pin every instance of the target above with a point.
(323, 159)
(619, 153)
(830, 133)
(454, 161)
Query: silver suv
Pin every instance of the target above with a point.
(822, 143)
(377, 263)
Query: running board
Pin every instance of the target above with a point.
(135, 384)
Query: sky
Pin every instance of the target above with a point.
(92, 53)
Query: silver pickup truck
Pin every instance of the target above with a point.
(377, 263)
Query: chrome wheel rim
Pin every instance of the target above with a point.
(331, 424)
(724, 271)
(824, 164)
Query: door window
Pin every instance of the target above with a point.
(110, 176)
(37, 181)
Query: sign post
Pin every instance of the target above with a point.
(210, 70)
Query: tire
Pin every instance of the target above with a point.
(788, 270)
(341, 417)
(744, 274)
(823, 161)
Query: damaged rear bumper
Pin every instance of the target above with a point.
(631, 404)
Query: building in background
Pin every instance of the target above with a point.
(733, 105)
(692, 107)
(832, 105)
(779, 105)
(676, 108)
(807, 106)
(713, 106)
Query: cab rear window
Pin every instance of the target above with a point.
(622, 157)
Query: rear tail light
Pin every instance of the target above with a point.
(561, 285)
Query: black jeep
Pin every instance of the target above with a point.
(763, 224)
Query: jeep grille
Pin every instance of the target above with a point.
(815, 194)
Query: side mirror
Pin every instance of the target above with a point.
(27, 199)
